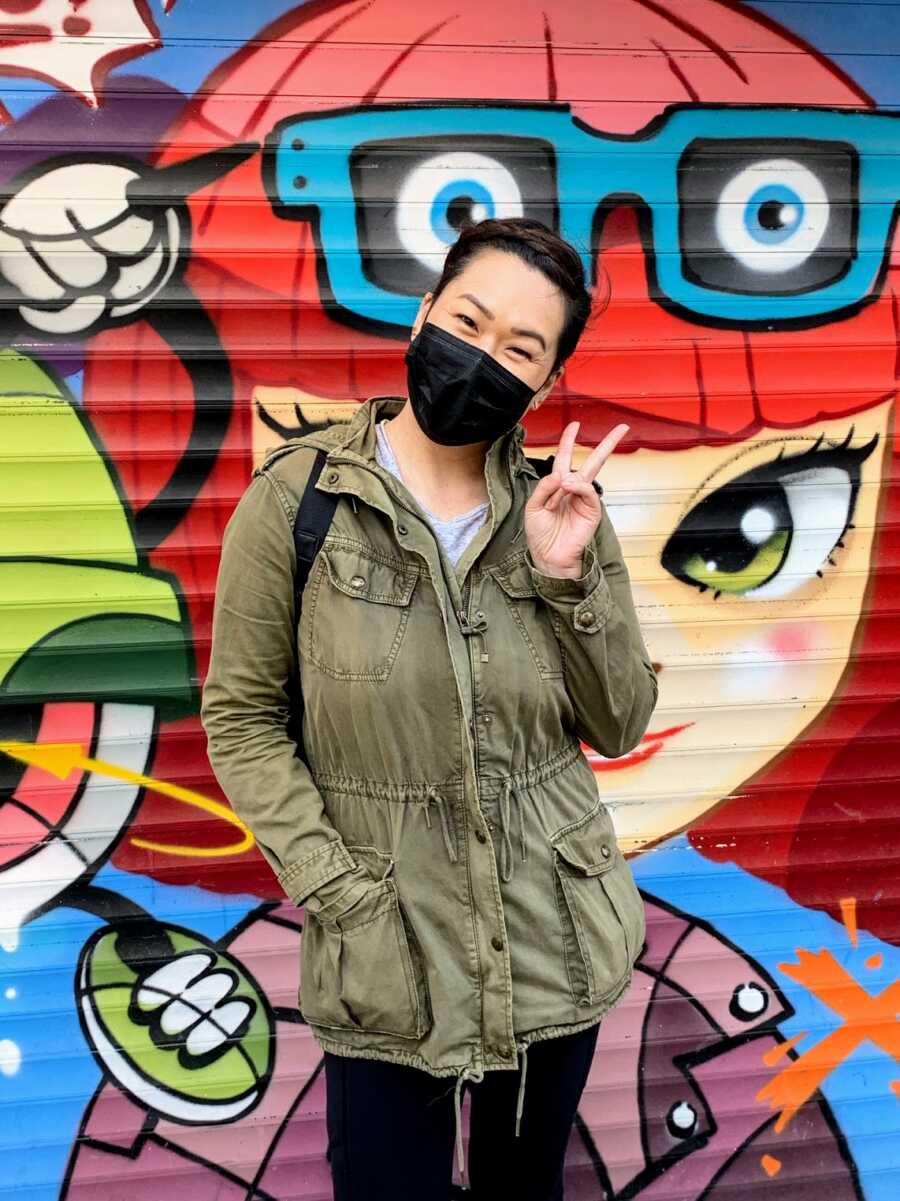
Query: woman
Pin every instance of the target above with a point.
(464, 627)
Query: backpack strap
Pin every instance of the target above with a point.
(314, 514)
(545, 466)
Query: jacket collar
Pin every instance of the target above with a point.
(359, 436)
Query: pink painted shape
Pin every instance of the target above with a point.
(729, 1083)
(609, 1103)
(709, 970)
(21, 833)
(158, 1174)
(45, 794)
(271, 953)
(298, 1169)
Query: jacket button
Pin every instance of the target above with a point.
(587, 618)
(357, 581)
(497, 943)
(605, 851)
(584, 1000)
(504, 1052)
(481, 836)
(333, 477)
(401, 529)
(486, 718)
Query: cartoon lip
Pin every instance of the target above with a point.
(650, 745)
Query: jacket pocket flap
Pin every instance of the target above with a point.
(515, 578)
(590, 845)
(357, 574)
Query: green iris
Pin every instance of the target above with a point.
(765, 563)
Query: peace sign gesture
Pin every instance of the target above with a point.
(564, 510)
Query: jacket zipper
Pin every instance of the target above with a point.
(462, 614)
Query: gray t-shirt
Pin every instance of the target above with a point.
(454, 535)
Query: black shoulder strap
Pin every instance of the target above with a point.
(545, 466)
(314, 514)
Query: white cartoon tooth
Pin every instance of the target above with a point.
(172, 978)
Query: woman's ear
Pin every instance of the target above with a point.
(546, 388)
(424, 306)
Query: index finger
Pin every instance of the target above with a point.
(602, 451)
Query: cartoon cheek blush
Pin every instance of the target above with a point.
(744, 325)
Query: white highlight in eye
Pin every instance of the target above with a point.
(10, 1057)
(819, 502)
(413, 212)
(712, 565)
(772, 257)
(758, 525)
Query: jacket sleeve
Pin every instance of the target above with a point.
(246, 704)
(608, 673)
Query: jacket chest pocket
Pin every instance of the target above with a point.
(530, 616)
(355, 612)
(362, 970)
(600, 908)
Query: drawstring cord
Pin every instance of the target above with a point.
(520, 1100)
(475, 1077)
(434, 797)
(506, 794)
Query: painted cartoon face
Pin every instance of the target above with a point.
(749, 565)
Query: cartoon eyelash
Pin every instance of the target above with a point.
(840, 455)
(299, 430)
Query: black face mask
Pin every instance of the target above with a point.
(460, 394)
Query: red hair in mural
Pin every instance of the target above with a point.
(796, 816)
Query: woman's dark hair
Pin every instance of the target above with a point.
(538, 246)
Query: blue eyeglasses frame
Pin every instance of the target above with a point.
(307, 172)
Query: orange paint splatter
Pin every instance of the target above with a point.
(875, 961)
(770, 1165)
(865, 1017)
(848, 913)
(775, 1053)
(895, 1088)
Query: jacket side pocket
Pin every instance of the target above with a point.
(601, 910)
(359, 971)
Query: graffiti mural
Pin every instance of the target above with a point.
(214, 230)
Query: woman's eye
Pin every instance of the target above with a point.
(766, 533)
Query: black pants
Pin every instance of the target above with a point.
(391, 1127)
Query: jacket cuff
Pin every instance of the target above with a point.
(585, 601)
(325, 864)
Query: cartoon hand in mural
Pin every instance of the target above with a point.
(564, 509)
(79, 253)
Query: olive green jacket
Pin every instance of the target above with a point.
(463, 891)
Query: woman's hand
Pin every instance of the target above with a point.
(564, 510)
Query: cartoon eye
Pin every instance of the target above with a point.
(766, 533)
(682, 1120)
(767, 216)
(414, 197)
